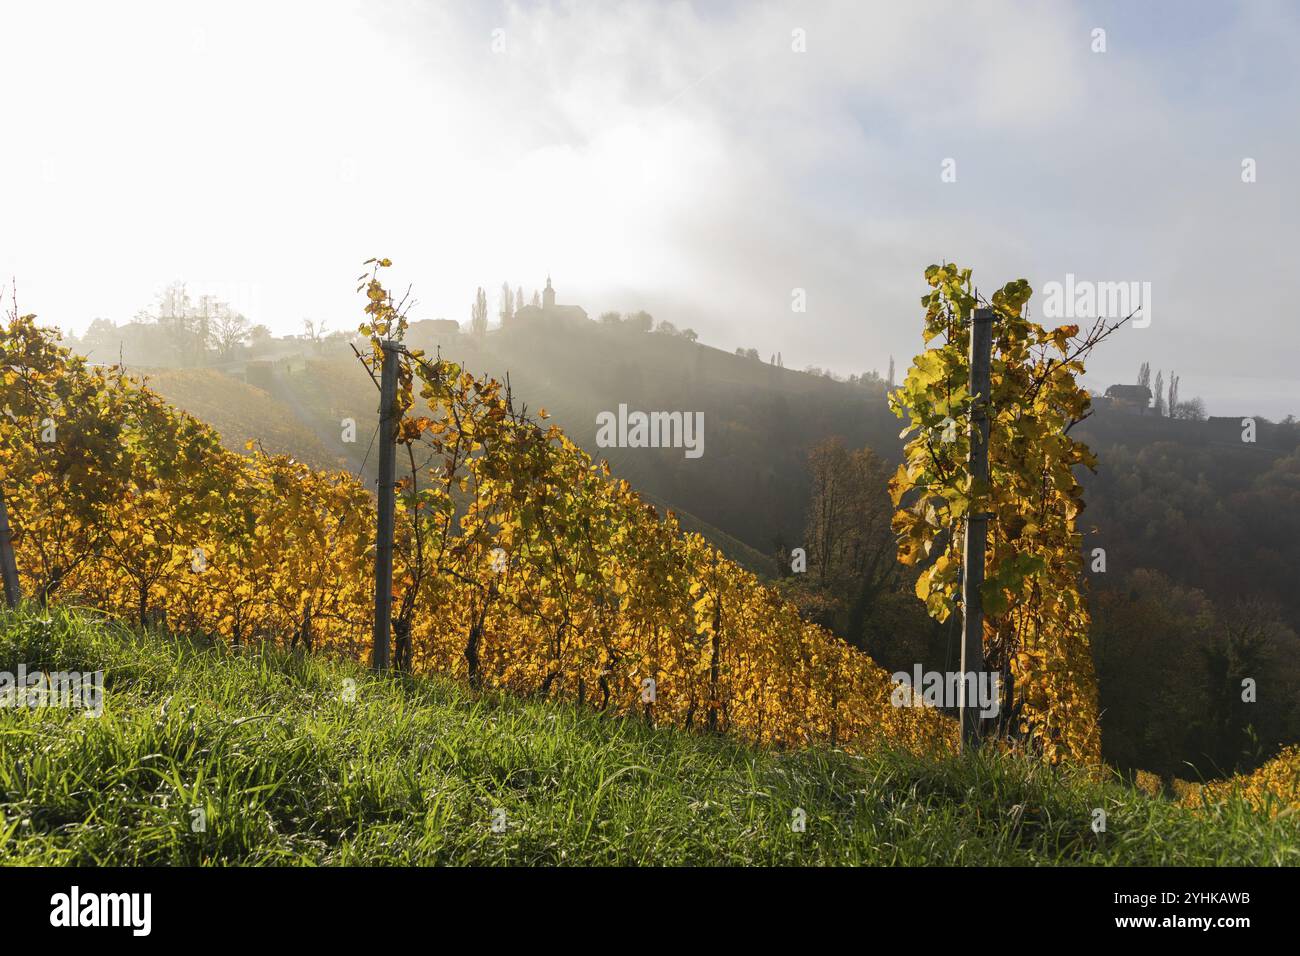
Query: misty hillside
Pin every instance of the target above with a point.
(1172, 620)
(245, 412)
(747, 492)
(760, 421)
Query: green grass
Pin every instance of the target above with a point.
(412, 772)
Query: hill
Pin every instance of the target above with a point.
(418, 770)
(748, 493)
(240, 411)
(1169, 501)
(760, 420)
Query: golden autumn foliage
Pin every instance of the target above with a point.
(520, 563)
(1036, 617)
(1273, 788)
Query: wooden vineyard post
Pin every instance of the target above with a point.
(384, 525)
(972, 642)
(8, 567)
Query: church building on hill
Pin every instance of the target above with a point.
(548, 313)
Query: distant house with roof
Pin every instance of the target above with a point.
(435, 328)
(1135, 399)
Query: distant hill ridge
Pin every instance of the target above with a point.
(748, 492)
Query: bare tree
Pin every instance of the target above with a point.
(228, 330)
(314, 331)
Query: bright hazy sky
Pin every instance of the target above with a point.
(681, 158)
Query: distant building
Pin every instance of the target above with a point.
(548, 313)
(435, 327)
(1135, 399)
(433, 331)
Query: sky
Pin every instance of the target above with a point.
(699, 161)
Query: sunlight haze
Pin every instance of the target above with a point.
(683, 159)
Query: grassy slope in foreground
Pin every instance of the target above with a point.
(412, 772)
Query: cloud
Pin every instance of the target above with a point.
(681, 158)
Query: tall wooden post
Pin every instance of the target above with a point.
(972, 640)
(384, 532)
(8, 567)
